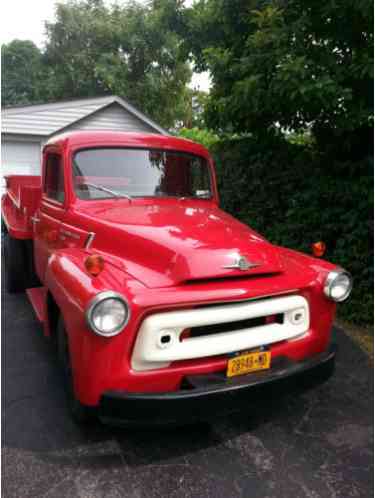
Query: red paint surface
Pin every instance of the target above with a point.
(161, 254)
(37, 297)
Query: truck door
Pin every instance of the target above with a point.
(51, 213)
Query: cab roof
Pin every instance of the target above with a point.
(84, 139)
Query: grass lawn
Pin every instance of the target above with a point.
(363, 336)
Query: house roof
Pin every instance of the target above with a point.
(48, 119)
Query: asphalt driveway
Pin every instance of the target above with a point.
(315, 444)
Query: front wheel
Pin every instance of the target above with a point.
(79, 412)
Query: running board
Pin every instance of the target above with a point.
(37, 297)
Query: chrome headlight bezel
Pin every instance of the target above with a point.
(99, 299)
(330, 282)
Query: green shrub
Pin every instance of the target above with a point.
(202, 136)
(295, 196)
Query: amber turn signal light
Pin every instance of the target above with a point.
(318, 249)
(94, 264)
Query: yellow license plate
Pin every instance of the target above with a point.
(249, 362)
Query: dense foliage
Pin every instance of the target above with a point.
(295, 196)
(94, 49)
(21, 67)
(305, 67)
(298, 64)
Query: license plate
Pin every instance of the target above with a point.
(249, 362)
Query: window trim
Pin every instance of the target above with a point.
(44, 194)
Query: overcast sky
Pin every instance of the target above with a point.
(24, 19)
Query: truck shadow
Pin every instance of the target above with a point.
(100, 446)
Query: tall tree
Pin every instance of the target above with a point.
(298, 63)
(128, 50)
(21, 67)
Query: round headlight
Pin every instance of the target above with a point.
(107, 314)
(338, 285)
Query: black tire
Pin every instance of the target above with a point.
(80, 413)
(32, 279)
(4, 230)
(14, 264)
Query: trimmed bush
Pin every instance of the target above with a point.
(294, 196)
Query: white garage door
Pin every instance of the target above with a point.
(20, 158)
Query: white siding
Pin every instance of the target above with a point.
(113, 117)
(20, 158)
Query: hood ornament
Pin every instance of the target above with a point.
(242, 263)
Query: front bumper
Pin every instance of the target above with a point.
(207, 396)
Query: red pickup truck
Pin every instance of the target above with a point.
(162, 306)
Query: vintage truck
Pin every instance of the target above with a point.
(162, 306)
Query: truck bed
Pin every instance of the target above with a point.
(19, 204)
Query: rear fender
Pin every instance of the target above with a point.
(19, 204)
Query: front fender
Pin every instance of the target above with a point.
(72, 288)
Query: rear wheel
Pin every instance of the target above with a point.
(14, 264)
(32, 279)
(79, 412)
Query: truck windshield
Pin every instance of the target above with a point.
(139, 173)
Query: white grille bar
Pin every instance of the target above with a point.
(158, 342)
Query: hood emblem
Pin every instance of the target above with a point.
(243, 264)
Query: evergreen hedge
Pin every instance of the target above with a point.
(295, 196)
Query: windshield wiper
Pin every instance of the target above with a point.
(118, 195)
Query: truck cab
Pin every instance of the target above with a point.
(160, 303)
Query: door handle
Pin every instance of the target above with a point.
(35, 219)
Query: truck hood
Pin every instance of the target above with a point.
(163, 244)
